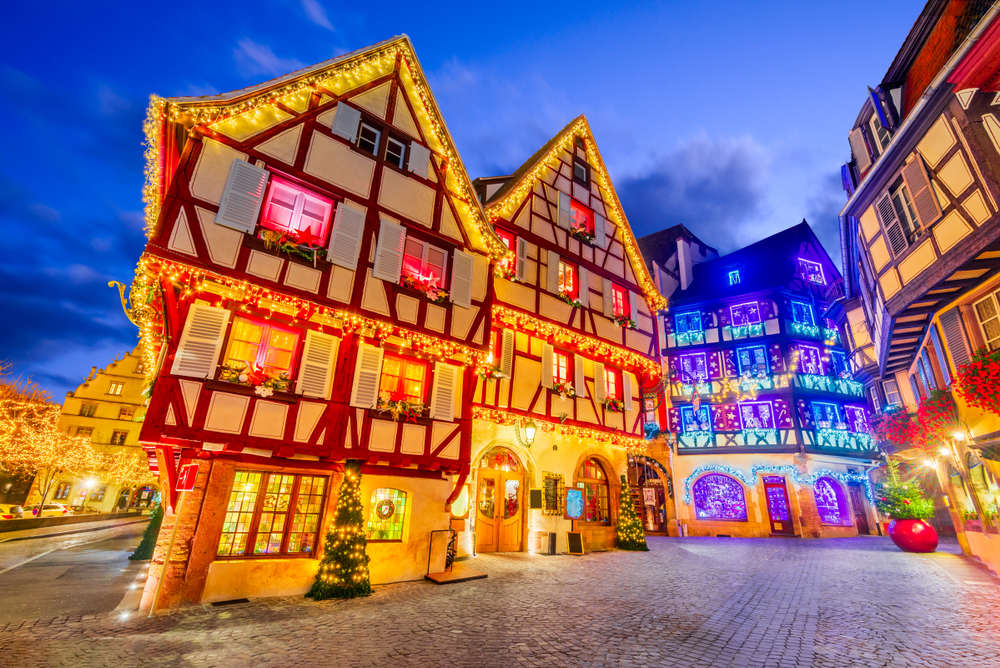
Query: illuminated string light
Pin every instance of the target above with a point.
(630, 444)
(791, 471)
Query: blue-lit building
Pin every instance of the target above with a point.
(770, 431)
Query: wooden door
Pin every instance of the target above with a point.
(487, 511)
(511, 494)
(860, 510)
(777, 505)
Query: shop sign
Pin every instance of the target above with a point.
(186, 477)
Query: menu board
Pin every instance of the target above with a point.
(551, 492)
(574, 503)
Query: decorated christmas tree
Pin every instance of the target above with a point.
(901, 500)
(630, 533)
(343, 572)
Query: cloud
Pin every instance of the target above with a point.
(254, 60)
(823, 213)
(317, 14)
(715, 186)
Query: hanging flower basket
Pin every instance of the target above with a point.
(978, 380)
(936, 420)
(425, 287)
(564, 390)
(575, 303)
(249, 375)
(894, 424)
(623, 321)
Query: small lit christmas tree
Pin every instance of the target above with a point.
(149, 535)
(343, 572)
(630, 533)
(899, 500)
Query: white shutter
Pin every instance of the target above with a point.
(348, 231)
(546, 365)
(318, 358)
(443, 392)
(893, 227)
(367, 374)
(522, 259)
(201, 342)
(553, 269)
(860, 150)
(600, 382)
(242, 197)
(633, 301)
(600, 230)
(584, 289)
(563, 219)
(608, 295)
(389, 252)
(419, 160)
(579, 379)
(627, 389)
(924, 200)
(345, 123)
(462, 265)
(507, 354)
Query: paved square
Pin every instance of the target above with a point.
(688, 602)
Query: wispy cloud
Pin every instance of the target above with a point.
(317, 14)
(254, 60)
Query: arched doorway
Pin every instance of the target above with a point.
(144, 497)
(649, 495)
(499, 502)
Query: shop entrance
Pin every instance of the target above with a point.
(777, 505)
(858, 505)
(648, 495)
(499, 502)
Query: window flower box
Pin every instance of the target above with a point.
(490, 372)
(624, 321)
(581, 234)
(614, 405)
(304, 243)
(565, 390)
(422, 285)
(264, 384)
(505, 271)
(399, 408)
(575, 303)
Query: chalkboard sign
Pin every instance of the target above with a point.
(535, 499)
(575, 542)
(553, 494)
(574, 503)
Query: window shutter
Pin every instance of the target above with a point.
(419, 160)
(201, 342)
(893, 228)
(954, 336)
(627, 389)
(522, 259)
(318, 357)
(860, 150)
(389, 252)
(563, 220)
(609, 298)
(584, 290)
(443, 392)
(507, 354)
(547, 365)
(600, 382)
(924, 200)
(348, 231)
(553, 270)
(242, 197)
(579, 380)
(633, 302)
(345, 123)
(367, 374)
(461, 278)
(600, 230)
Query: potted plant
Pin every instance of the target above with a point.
(905, 505)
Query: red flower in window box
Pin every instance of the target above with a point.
(569, 299)
(250, 375)
(580, 232)
(396, 405)
(978, 379)
(564, 389)
(424, 285)
(304, 244)
(614, 405)
(624, 321)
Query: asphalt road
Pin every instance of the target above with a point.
(87, 575)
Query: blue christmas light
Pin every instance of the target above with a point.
(791, 471)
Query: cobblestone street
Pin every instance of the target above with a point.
(688, 602)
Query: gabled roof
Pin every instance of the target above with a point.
(521, 182)
(659, 246)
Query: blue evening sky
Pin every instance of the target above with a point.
(728, 117)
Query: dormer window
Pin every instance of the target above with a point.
(292, 209)
(811, 272)
(581, 172)
(879, 135)
(368, 137)
(734, 277)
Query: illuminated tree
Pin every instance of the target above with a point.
(343, 572)
(630, 533)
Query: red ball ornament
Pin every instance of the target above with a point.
(913, 535)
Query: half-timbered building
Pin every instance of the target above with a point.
(316, 288)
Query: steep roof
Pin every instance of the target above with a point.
(659, 246)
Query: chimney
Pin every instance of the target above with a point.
(684, 262)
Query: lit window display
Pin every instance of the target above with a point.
(829, 502)
(719, 497)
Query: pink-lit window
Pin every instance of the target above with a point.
(613, 383)
(424, 262)
(404, 379)
(261, 345)
(292, 209)
(560, 367)
(581, 218)
(510, 241)
(567, 279)
(620, 299)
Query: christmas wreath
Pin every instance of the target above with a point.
(979, 379)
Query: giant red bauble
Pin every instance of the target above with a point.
(913, 535)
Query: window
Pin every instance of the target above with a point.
(810, 360)
(98, 494)
(803, 314)
(592, 479)
(875, 399)
(118, 437)
(387, 514)
(272, 514)
(581, 171)
(926, 371)
(745, 314)
(694, 368)
(395, 152)
(85, 432)
(612, 383)
(88, 410)
(254, 344)
(368, 138)
(692, 420)
(292, 209)
(827, 416)
(811, 272)
(620, 300)
(838, 362)
(567, 279)
(988, 314)
(857, 419)
(891, 390)
(62, 491)
(939, 353)
(719, 497)
(581, 219)
(404, 379)
(688, 322)
(510, 241)
(140, 367)
(424, 262)
(756, 414)
(752, 360)
(560, 367)
(879, 135)
(734, 277)
(116, 389)
(902, 202)
(649, 411)
(830, 502)
(126, 413)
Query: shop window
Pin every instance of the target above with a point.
(510, 241)
(88, 410)
(830, 502)
(745, 314)
(581, 219)
(612, 383)
(687, 322)
(404, 379)
(119, 437)
(126, 413)
(827, 415)
(694, 368)
(719, 497)
(98, 494)
(695, 420)
(116, 389)
(568, 279)
(561, 367)
(620, 299)
(803, 314)
(810, 360)
(387, 515)
(272, 514)
(594, 481)
(424, 262)
(294, 210)
(259, 345)
(756, 414)
(752, 360)
(811, 272)
(62, 491)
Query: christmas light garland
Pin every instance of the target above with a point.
(630, 444)
(791, 471)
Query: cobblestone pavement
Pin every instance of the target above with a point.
(688, 602)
